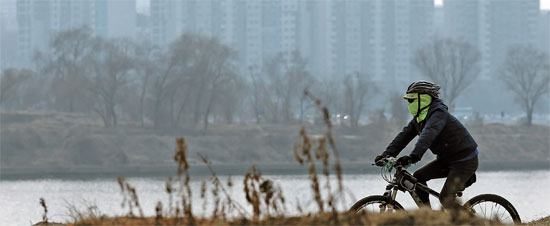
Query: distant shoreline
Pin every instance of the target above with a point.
(199, 170)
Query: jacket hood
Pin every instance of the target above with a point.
(437, 104)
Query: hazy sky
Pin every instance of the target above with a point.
(544, 4)
(143, 5)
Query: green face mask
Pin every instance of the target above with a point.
(425, 101)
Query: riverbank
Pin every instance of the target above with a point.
(68, 141)
(200, 170)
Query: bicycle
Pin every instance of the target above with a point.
(498, 207)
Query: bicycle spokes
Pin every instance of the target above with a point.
(378, 208)
(492, 211)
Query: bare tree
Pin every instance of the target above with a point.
(220, 73)
(160, 82)
(453, 64)
(11, 80)
(230, 98)
(330, 90)
(111, 70)
(145, 67)
(188, 79)
(257, 84)
(526, 72)
(273, 69)
(166, 78)
(357, 91)
(288, 77)
(72, 51)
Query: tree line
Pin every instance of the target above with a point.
(190, 83)
(194, 81)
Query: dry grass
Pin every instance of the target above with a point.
(540, 222)
(417, 217)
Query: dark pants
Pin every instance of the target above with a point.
(457, 174)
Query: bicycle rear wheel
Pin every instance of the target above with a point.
(493, 207)
(376, 204)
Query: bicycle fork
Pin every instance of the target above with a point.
(391, 193)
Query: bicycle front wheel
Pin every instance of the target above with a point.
(493, 207)
(376, 204)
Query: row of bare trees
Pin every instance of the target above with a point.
(455, 65)
(277, 91)
(186, 82)
(194, 80)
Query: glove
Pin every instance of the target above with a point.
(408, 159)
(378, 158)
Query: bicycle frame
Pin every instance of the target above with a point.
(404, 181)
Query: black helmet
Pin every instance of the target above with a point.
(426, 87)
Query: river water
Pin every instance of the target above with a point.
(526, 190)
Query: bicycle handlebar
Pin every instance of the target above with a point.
(387, 160)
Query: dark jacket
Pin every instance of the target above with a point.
(441, 132)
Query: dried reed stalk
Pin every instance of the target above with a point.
(180, 157)
(45, 215)
(130, 197)
(263, 195)
(218, 186)
(158, 211)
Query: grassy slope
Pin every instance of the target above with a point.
(418, 217)
(540, 222)
(62, 139)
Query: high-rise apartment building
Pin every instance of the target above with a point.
(461, 19)
(378, 38)
(336, 37)
(491, 26)
(271, 27)
(544, 27)
(162, 21)
(345, 37)
(33, 28)
(170, 18)
(401, 28)
(315, 37)
(510, 22)
(253, 54)
(422, 31)
(396, 56)
(8, 34)
(39, 20)
(120, 18)
(7, 14)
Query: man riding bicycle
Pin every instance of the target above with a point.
(444, 135)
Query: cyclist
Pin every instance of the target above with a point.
(444, 135)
